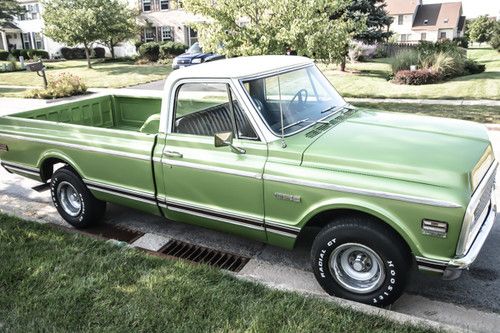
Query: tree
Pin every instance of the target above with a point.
(120, 26)
(495, 38)
(253, 27)
(9, 9)
(84, 22)
(377, 21)
(481, 29)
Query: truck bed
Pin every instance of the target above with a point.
(115, 112)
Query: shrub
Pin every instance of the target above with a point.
(40, 54)
(447, 64)
(171, 49)
(495, 38)
(417, 77)
(462, 42)
(62, 85)
(380, 53)
(17, 53)
(473, 67)
(99, 52)
(69, 53)
(404, 60)
(150, 51)
(4, 55)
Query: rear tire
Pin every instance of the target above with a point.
(74, 201)
(362, 260)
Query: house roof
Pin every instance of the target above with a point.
(169, 18)
(8, 26)
(461, 23)
(438, 16)
(396, 7)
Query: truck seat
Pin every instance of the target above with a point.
(213, 120)
(151, 125)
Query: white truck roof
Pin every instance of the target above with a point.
(239, 67)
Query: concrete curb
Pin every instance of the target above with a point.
(397, 317)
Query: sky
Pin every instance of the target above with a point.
(474, 8)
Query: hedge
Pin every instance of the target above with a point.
(417, 77)
(4, 55)
(150, 51)
(171, 49)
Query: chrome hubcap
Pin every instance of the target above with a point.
(357, 268)
(69, 198)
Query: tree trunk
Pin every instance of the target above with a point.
(342, 65)
(87, 54)
(112, 50)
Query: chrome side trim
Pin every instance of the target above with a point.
(282, 229)
(20, 168)
(190, 212)
(120, 189)
(80, 147)
(126, 196)
(372, 193)
(247, 174)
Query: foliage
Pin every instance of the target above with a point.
(171, 49)
(447, 64)
(150, 51)
(63, 85)
(99, 52)
(69, 53)
(495, 39)
(473, 67)
(404, 60)
(39, 54)
(417, 77)
(20, 52)
(361, 52)
(4, 55)
(320, 29)
(481, 29)
(462, 41)
(377, 20)
(120, 26)
(9, 9)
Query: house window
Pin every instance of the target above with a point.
(442, 35)
(37, 37)
(164, 4)
(423, 36)
(26, 41)
(193, 36)
(426, 21)
(146, 5)
(400, 19)
(445, 20)
(35, 11)
(403, 37)
(166, 33)
(149, 34)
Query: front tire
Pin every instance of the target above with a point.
(361, 259)
(74, 201)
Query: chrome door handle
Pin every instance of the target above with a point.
(172, 154)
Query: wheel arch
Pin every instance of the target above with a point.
(49, 159)
(325, 214)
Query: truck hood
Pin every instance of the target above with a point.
(426, 150)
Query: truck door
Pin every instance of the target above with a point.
(216, 187)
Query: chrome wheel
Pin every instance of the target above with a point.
(69, 198)
(357, 268)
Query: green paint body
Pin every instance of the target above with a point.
(381, 152)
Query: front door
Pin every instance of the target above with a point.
(220, 188)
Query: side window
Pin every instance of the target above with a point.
(204, 109)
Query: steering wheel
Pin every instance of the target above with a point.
(301, 97)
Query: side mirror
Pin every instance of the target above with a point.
(225, 139)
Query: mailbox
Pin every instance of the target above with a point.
(35, 67)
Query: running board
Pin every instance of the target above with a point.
(42, 187)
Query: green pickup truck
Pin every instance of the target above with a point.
(264, 147)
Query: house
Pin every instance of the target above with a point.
(415, 21)
(25, 32)
(166, 20)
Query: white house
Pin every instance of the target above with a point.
(414, 21)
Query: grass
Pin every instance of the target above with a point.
(12, 92)
(369, 79)
(103, 75)
(480, 114)
(56, 281)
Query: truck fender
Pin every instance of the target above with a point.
(57, 155)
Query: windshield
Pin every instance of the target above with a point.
(195, 48)
(303, 95)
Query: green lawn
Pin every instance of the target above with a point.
(480, 114)
(103, 75)
(368, 79)
(51, 280)
(12, 92)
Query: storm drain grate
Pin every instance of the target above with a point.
(112, 231)
(204, 255)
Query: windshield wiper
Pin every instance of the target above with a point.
(332, 109)
(295, 123)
